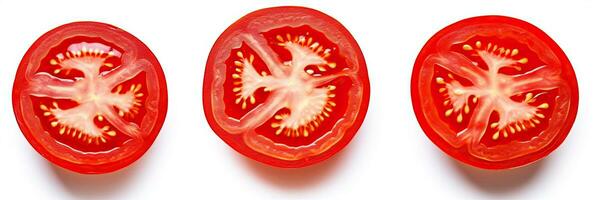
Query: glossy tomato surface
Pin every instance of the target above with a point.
(90, 97)
(494, 92)
(286, 86)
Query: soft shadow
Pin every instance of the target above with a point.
(299, 178)
(96, 186)
(501, 182)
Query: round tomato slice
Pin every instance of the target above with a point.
(494, 92)
(286, 86)
(90, 97)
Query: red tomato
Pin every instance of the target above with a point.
(286, 86)
(90, 97)
(494, 92)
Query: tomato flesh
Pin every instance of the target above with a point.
(238, 109)
(288, 87)
(90, 92)
(485, 90)
(315, 128)
(72, 137)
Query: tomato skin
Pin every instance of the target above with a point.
(236, 142)
(35, 138)
(462, 154)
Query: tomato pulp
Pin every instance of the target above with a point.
(286, 86)
(494, 92)
(90, 97)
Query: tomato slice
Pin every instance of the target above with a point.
(90, 97)
(494, 92)
(286, 86)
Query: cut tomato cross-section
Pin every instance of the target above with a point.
(494, 92)
(294, 92)
(90, 97)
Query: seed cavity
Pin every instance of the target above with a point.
(239, 84)
(529, 121)
(308, 42)
(499, 51)
(66, 130)
(87, 53)
(287, 126)
(453, 98)
(132, 109)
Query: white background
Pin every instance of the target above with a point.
(390, 157)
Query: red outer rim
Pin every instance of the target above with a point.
(455, 153)
(246, 151)
(89, 168)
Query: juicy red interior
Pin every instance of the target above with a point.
(232, 108)
(525, 52)
(440, 97)
(138, 115)
(306, 31)
(74, 141)
(68, 139)
(342, 84)
(540, 96)
(45, 65)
